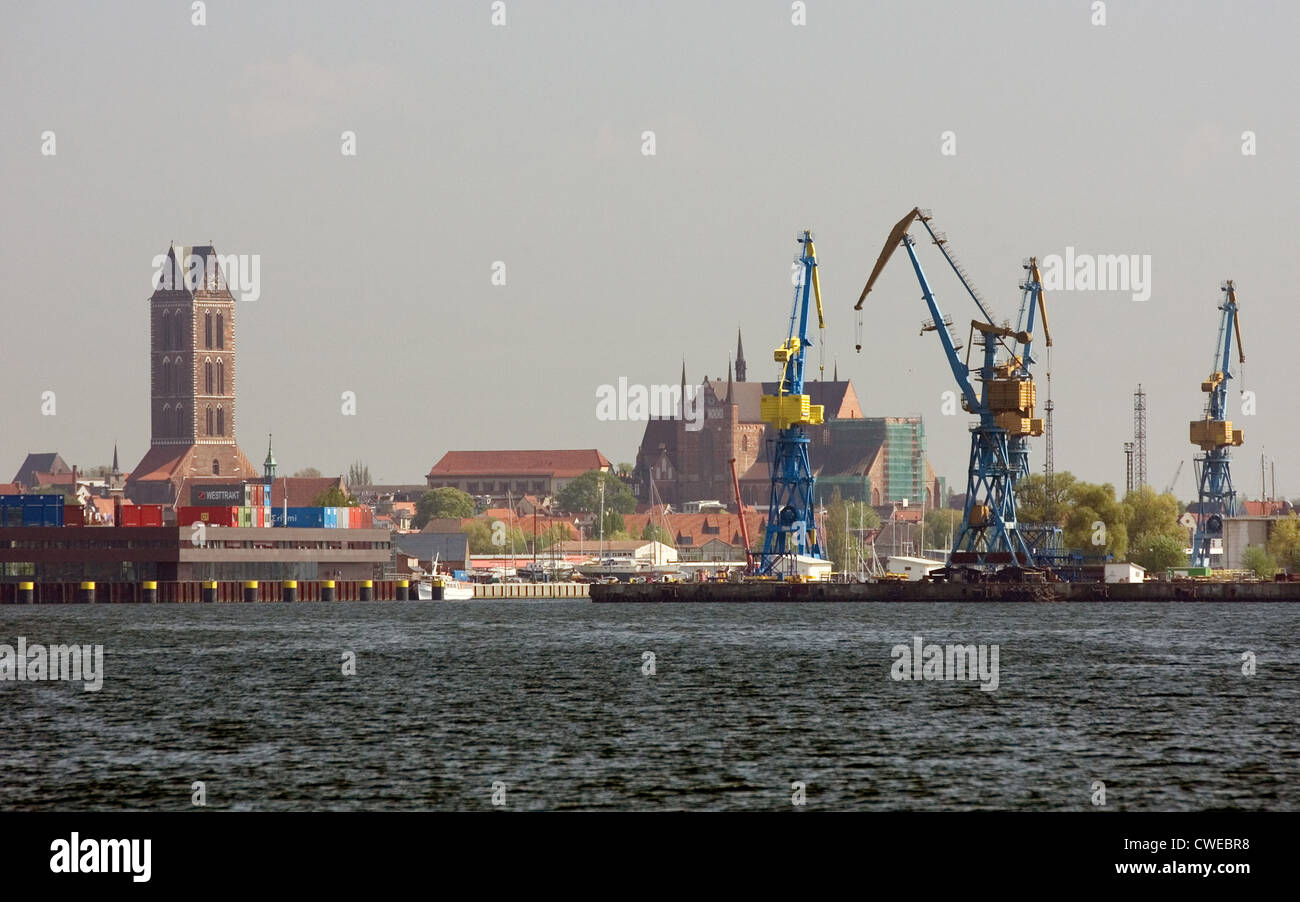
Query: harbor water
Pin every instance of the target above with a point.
(572, 705)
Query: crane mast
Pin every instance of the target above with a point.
(791, 531)
(1214, 435)
(1004, 401)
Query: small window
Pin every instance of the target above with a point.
(221, 330)
(207, 329)
(216, 467)
(221, 421)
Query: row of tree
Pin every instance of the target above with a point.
(1281, 553)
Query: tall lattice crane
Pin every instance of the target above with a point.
(990, 534)
(1214, 435)
(791, 536)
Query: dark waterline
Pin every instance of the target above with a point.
(550, 699)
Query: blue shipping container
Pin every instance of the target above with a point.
(313, 517)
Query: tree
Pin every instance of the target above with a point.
(307, 473)
(358, 474)
(624, 469)
(842, 545)
(1158, 551)
(654, 532)
(554, 535)
(1260, 561)
(1094, 521)
(1284, 543)
(442, 503)
(1154, 515)
(487, 538)
(940, 524)
(582, 495)
(333, 497)
(1034, 504)
(615, 525)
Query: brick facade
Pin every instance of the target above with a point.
(192, 383)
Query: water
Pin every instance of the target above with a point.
(549, 698)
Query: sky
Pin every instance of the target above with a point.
(1027, 127)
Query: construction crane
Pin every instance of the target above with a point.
(1169, 490)
(790, 543)
(1214, 435)
(990, 534)
(740, 512)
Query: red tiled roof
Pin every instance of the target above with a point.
(160, 462)
(695, 530)
(10, 488)
(40, 478)
(564, 464)
(1265, 508)
(302, 490)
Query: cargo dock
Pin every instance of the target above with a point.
(899, 591)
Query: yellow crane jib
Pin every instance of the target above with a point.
(817, 285)
(1042, 298)
(891, 245)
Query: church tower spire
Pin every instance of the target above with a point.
(268, 466)
(740, 358)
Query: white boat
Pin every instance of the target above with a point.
(615, 568)
(439, 586)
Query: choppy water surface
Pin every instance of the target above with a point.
(550, 699)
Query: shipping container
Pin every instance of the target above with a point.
(38, 516)
(217, 495)
(11, 500)
(150, 514)
(130, 515)
(307, 516)
(73, 515)
(213, 516)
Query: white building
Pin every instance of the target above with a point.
(640, 550)
(914, 568)
(1125, 572)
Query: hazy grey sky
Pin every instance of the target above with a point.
(523, 144)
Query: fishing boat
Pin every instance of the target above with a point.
(440, 586)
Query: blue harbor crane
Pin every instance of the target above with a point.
(990, 535)
(791, 537)
(1214, 435)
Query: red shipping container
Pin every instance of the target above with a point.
(213, 516)
(130, 515)
(150, 514)
(367, 518)
(73, 515)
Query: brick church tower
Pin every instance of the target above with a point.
(192, 382)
